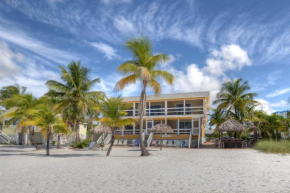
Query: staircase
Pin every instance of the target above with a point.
(99, 141)
(107, 139)
(4, 138)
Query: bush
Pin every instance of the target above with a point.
(267, 146)
(53, 142)
(83, 144)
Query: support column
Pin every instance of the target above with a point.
(149, 108)
(192, 125)
(177, 126)
(165, 108)
(134, 129)
(199, 133)
(165, 121)
(203, 102)
(134, 109)
(184, 107)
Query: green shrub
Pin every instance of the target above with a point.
(53, 142)
(83, 144)
(267, 146)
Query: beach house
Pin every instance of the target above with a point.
(185, 113)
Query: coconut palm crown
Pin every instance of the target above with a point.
(74, 93)
(143, 68)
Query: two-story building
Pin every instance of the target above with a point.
(185, 113)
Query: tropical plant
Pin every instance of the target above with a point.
(48, 120)
(113, 111)
(143, 68)
(60, 131)
(9, 91)
(74, 93)
(217, 117)
(22, 115)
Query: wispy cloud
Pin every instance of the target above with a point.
(279, 92)
(266, 39)
(23, 40)
(109, 51)
(8, 61)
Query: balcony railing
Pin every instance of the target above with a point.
(169, 111)
(194, 131)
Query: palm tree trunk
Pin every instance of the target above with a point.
(31, 136)
(58, 142)
(47, 143)
(111, 143)
(77, 129)
(142, 109)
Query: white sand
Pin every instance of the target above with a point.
(172, 170)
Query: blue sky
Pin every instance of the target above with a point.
(208, 42)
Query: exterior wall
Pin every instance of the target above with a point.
(83, 131)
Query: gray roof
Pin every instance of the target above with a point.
(170, 96)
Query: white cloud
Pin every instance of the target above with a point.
(109, 51)
(123, 25)
(8, 61)
(230, 57)
(194, 78)
(21, 39)
(115, 1)
(269, 107)
(279, 92)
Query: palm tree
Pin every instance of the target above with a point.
(143, 68)
(48, 120)
(25, 103)
(74, 94)
(9, 91)
(235, 99)
(113, 111)
(217, 118)
(59, 130)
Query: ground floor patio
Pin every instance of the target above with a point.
(172, 170)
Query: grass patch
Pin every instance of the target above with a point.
(267, 146)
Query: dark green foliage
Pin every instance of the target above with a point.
(83, 144)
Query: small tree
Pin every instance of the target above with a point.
(48, 120)
(60, 130)
(113, 111)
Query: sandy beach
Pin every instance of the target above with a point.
(172, 170)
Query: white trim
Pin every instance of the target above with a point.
(184, 104)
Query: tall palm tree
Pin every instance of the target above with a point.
(235, 98)
(74, 93)
(143, 68)
(9, 91)
(48, 120)
(217, 118)
(22, 115)
(113, 111)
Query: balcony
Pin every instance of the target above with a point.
(169, 111)
(193, 131)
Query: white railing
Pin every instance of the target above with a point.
(5, 138)
(101, 138)
(108, 139)
(170, 111)
(150, 138)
